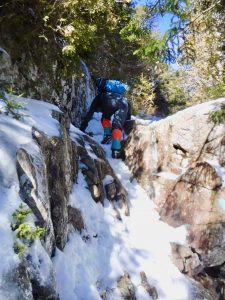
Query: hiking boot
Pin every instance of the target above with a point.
(107, 139)
(116, 154)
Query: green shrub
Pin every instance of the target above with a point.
(218, 117)
(12, 106)
(26, 232)
(19, 248)
(142, 95)
(19, 215)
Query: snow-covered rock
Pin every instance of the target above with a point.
(41, 156)
(180, 162)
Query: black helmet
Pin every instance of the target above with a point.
(100, 83)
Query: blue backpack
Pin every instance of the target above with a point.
(111, 85)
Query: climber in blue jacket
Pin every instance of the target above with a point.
(110, 104)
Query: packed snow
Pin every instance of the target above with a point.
(91, 262)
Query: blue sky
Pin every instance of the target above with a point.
(163, 22)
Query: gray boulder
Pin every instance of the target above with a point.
(179, 161)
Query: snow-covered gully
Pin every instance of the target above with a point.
(91, 263)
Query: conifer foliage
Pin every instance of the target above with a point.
(118, 39)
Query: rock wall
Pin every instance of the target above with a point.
(180, 162)
(45, 180)
(47, 80)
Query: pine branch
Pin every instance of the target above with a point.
(201, 14)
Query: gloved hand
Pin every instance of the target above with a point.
(90, 133)
(83, 126)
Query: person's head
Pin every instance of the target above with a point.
(100, 83)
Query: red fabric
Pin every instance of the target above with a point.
(117, 134)
(106, 123)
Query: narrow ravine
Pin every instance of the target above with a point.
(92, 262)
